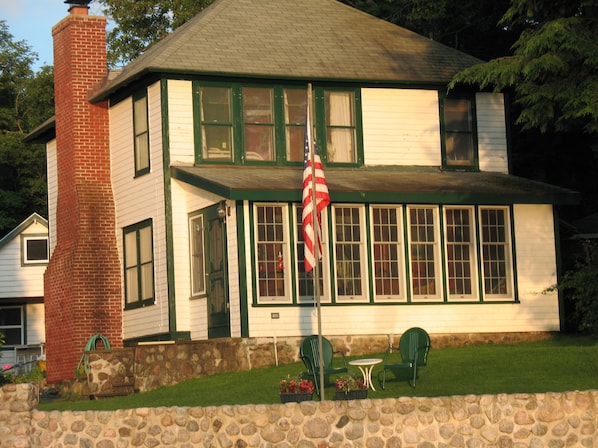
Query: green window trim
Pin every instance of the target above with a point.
(138, 261)
(141, 137)
(483, 263)
(458, 128)
(261, 124)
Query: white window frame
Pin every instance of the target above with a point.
(400, 250)
(25, 249)
(324, 268)
(284, 250)
(363, 253)
(508, 247)
(437, 272)
(197, 277)
(473, 251)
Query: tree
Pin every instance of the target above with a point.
(553, 71)
(140, 23)
(26, 100)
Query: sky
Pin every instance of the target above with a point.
(32, 21)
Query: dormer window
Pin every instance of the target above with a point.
(458, 132)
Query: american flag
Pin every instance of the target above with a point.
(322, 199)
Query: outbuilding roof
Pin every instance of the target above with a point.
(296, 39)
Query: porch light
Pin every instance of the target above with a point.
(223, 210)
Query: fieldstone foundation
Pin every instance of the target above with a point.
(549, 420)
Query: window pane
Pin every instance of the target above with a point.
(271, 251)
(140, 125)
(10, 316)
(37, 249)
(423, 251)
(295, 107)
(387, 250)
(340, 122)
(140, 115)
(197, 256)
(459, 251)
(458, 132)
(145, 244)
(348, 251)
(495, 252)
(216, 117)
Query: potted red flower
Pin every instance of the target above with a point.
(349, 387)
(296, 389)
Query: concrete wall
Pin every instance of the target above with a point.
(566, 419)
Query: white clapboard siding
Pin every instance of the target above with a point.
(492, 132)
(180, 121)
(52, 175)
(138, 199)
(16, 279)
(401, 127)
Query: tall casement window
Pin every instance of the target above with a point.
(141, 131)
(216, 123)
(340, 127)
(388, 253)
(306, 280)
(349, 253)
(459, 137)
(258, 119)
(272, 253)
(139, 264)
(496, 252)
(34, 249)
(11, 325)
(295, 113)
(197, 253)
(424, 252)
(460, 252)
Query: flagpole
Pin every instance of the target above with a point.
(316, 227)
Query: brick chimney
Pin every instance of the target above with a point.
(83, 278)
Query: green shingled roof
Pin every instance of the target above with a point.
(296, 39)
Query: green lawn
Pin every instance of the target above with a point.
(564, 363)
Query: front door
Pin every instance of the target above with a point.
(217, 277)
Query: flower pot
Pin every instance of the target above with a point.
(352, 394)
(295, 398)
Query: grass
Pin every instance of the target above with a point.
(564, 363)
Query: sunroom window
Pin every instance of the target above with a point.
(272, 253)
(349, 253)
(424, 252)
(387, 247)
(496, 252)
(460, 253)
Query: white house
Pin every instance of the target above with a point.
(23, 260)
(205, 142)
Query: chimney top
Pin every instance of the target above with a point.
(78, 6)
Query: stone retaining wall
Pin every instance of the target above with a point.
(148, 366)
(550, 420)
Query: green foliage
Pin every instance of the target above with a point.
(26, 100)
(140, 23)
(554, 67)
(580, 291)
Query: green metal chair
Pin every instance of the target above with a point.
(310, 355)
(413, 348)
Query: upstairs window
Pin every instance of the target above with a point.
(258, 120)
(139, 264)
(141, 131)
(216, 123)
(35, 249)
(340, 126)
(295, 113)
(459, 145)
